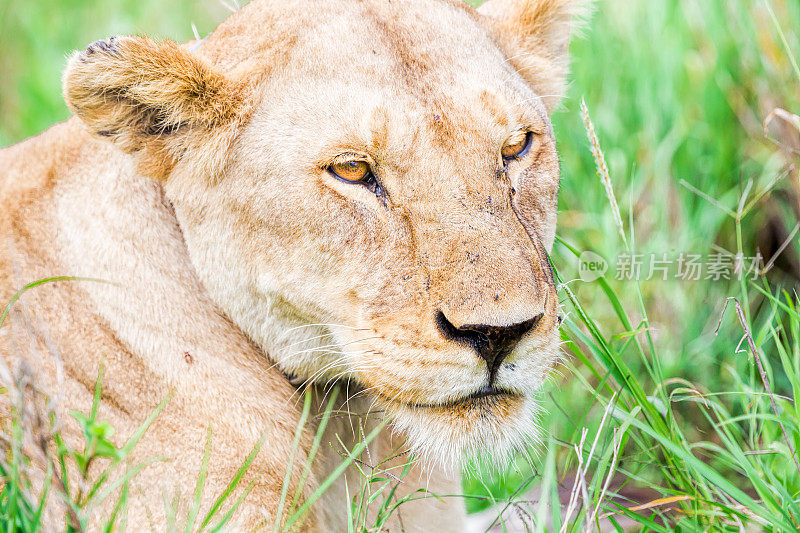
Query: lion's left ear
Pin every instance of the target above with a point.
(536, 35)
(153, 99)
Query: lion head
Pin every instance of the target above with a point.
(368, 190)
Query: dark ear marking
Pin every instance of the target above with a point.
(160, 128)
(108, 47)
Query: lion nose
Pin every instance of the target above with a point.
(491, 343)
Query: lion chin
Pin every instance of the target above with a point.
(489, 427)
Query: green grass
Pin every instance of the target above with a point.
(660, 390)
(678, 91)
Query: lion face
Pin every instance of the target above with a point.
(380, 204)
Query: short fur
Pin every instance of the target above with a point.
(195, 182)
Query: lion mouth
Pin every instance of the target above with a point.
(488, 391)
(485, 395)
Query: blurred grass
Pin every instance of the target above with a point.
(678, 91)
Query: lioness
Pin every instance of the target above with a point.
(352, 191)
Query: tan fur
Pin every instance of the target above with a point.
(535, 36)
(194, 182)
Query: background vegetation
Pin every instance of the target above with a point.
(666, 411)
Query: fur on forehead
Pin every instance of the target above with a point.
(531, 36)
(165, 103)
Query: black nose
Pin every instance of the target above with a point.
(491, 343)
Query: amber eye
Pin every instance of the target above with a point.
(517, 146)
(352, 171)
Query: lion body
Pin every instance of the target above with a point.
(156, 334)
(198, 281)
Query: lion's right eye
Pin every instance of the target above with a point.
(517, 147)
(351, 171)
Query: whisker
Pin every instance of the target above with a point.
(323, 325)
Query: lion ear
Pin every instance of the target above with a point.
(150, 98)
(536, 35)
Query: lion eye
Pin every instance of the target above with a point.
(516, 148)
(351, 171)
